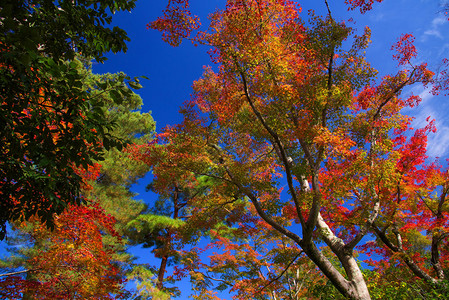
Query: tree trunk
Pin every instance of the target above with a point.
(161, 273)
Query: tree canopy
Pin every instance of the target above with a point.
(84, 256)
(52, 128)
(294, 173)
(308, 152)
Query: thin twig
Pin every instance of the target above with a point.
(282, 274)
(15, 273)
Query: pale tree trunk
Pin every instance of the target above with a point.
(355, 286)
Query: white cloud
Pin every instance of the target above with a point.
(438, 143)
(438, 21)
(433, 32)
(425, 95)
(377, 17)
(434, 29)
(435, 108)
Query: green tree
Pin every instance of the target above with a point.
(158, 228)
(51, 126)
(109, 188)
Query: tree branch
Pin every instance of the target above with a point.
(408, 261)
(261, 212)
(278, 144)
(368, 224)
(280, 275)
(15, 273)
(399, 88)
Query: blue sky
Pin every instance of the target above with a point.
(171, 71)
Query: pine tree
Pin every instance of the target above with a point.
(107, 188)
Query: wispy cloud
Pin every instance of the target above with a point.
(435, 108)
(377, 17)
(443, 49)
(438, 143)
(434, 29)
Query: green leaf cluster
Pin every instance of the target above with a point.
(49, 122)
(119, 170)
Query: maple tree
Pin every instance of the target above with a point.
(71, 261)
(309, 154)
(176, 22)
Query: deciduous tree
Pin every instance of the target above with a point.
(71, 262)
(50, 125)
(302, 138)
(80, 267)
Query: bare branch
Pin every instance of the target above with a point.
(15, 273)
(282, 273)
(277, 143)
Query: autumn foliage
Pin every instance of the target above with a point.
(176, 22)
(74, 263)
(363, 5)
(50, 124)
(293, 164)
(306, 157)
